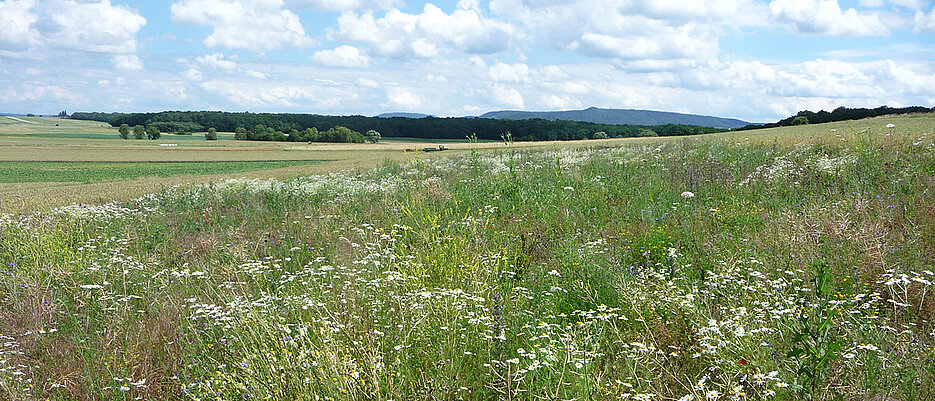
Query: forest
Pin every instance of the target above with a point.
(839, 114)
(281, 126)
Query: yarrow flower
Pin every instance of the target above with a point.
(688, 195)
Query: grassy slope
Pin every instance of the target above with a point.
(565, 274)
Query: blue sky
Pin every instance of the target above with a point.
(748, 59)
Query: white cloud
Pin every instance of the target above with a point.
(425, 35)
(127, 62)
(342, 5)
(910, 4)
(342, 56)
(513, 73)
(256, 74)
(260, 25)
(403, 99)
(507, 96)
(924, 22)
(217, 60)
(825, 17)
(561, 102)
(659, 34)
(192, 74)
(367, 83)
(88, 26)
(15, 20)
(281, 95)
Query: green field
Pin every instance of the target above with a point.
(87, 172)
(785, 264)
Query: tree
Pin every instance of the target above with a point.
(124, 131)
(211, 135)
(800, 120)
(153, 132)
(373, 136)
(240, 133)
(599, 135)
(139, 132)
(646, 132)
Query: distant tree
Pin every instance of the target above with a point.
(30, 115)
(800, 120)
(240, 133)
(124, 131)
(646, 132)
(183, 132)
(63, 114)
(373, 136)
(139, 132)
(211, 135)
(153, 132)
(599, 135)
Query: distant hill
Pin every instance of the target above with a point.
(620, 116)
(405, 115)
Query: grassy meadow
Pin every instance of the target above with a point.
(784, 264)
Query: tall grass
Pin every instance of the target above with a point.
(559, 274)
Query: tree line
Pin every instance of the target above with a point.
(839, 114)
(321, 128)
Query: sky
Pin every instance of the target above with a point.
(754, 60)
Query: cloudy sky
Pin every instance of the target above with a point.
(749, 59)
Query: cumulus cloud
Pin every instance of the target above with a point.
(127, 62)
(403, 99)
(660, 34)
(259, 26)
(398, 34)
(514, 73)
(342, 56)
(30, 27)
(280, 95)
(217, 60)
(16, 17)
(924, 22)
(96, 26)
(507, 96)
(192, 74)
(342, 5)
(910, 4)
(825, 17)
(256, 74)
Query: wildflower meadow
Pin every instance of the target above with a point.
(689, 269)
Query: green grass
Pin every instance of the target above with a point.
(87, 172)
(801, 268)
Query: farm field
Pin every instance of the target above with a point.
(782, 264)
(97, 146)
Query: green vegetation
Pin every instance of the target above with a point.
(840, 114)
(96, 171)
(281, 127)
(124, 131)
(764, 265)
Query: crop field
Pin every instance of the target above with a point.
(786, 264)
